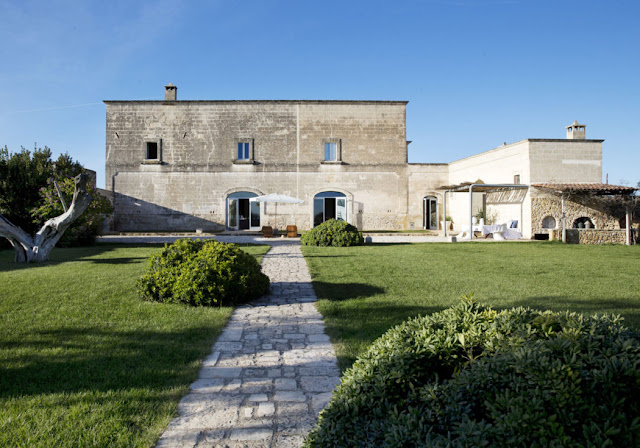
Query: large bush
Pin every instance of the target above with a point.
(203, 273)
(333, 232)
(472, 376)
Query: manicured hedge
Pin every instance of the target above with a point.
(472, 376)
(333, 232)
(203, 274)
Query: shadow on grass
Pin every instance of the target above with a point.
(94, 359)
(127, 260)
(373, 321)
(345, 291)
(328, 256)
(62, 255)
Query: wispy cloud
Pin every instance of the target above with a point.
(75, 41)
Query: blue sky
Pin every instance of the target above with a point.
(476, 73)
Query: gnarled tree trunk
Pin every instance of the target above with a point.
(37, 248)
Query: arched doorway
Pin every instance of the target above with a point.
(241, 213)
(329, 205)
(430, 213)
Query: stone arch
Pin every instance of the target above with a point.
(429, 221)
(353, 210)
(239, 189)
(347, 193)
(583, 222)
(239, 211)
(549, 222)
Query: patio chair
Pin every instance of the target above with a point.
(499, 234)
(464, 232)
(267, 231)
(292, 231)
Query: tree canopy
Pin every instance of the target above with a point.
(28, 196)
(22, 175)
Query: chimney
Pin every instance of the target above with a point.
(170, 92)
(576, 131)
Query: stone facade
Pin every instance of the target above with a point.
(178, 166)
(196, 169)
(595, 236)
(545, 205)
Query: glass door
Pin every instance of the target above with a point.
(433, 213)
(329, 205)
(232, 213)
(318, 211)
(430, 213)
(341, 209)
(255, 215)
(242, 213)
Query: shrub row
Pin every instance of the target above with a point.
(203, 274)
(333, 232)
(472, 376)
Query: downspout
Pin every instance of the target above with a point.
(628, 224)
(113, 192)
(471, 212)
(564, 229)
(444, 210)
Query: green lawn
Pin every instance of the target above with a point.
(363, 291)
(83, 361)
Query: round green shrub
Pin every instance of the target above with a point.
(333, 232)
(203, 273)
(472, 376)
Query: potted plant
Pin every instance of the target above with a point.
(450, 222)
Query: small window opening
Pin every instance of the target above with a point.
(152, 150)
(243, 151)
(549, 222)
(516, 179)
(330, 151)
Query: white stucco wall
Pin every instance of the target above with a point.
(497, 166)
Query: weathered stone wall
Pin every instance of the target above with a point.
(596, 236)
(549, 205)
(187, 188)
(181, 201)
(424, 179)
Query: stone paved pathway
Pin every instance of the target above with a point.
(270, 373)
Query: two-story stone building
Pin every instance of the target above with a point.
(185, 165)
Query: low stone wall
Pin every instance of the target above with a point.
(596, 236)
(547, 205)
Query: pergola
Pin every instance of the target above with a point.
(514, 193)
(591, 189)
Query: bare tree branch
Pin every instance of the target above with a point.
(37, 248)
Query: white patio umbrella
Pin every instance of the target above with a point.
(277, 198)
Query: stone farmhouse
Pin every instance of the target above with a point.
(184, 165)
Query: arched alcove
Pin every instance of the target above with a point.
(583, 222)
(549, 222)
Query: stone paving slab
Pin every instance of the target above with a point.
(270, 373)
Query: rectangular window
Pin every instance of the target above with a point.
(243, 151)
(152, 151)
(330, 152)
(516, 179)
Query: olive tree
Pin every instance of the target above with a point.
(35, 248)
